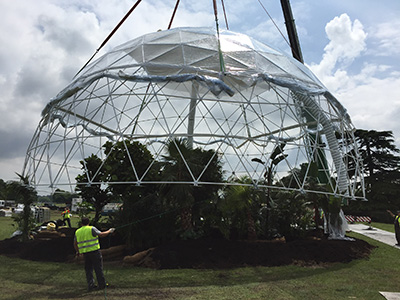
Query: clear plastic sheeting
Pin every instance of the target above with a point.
(168, 84)
(336, 226)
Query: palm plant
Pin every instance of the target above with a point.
(177, 163)
(27, 195)
(182, 166)
(240, 204)
(291, 214)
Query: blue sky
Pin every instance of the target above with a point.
(353, 46)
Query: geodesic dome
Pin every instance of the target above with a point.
(229, 93)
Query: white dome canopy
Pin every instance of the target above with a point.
(226, 92)
(195, 51)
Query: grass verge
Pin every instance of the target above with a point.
(7, 227)
(360, 279)
(383, 226)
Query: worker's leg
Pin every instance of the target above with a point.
(398, 236)
(89, 270)
(69, 223)
(98, 268)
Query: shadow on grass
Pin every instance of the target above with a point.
(39, 280)
(44, 280)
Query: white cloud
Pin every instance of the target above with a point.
(346, 42)
(371, 95)
(371, 104)
(386, 37)
(48, 41)
(45, 42)
(10, 168)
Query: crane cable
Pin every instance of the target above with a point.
(226, 20)
(221, 58)
(173, 14)
(276, 26)
(110, 35)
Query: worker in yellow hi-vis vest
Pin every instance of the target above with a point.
(396, 225)
(66, 214)
(86, 242)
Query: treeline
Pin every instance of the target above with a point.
(381, 163)
(8, 192)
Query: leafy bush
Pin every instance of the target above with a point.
(291, 215)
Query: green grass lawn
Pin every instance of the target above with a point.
(383, 226)
(7, 227)
(360, 279)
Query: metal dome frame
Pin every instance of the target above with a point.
(226, 92)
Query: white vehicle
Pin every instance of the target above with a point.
(19, 209)
(2, 203)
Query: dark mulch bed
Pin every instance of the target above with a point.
(55, 250)
(209, 253)
(228, 254)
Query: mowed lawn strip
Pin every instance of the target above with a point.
(360, 279)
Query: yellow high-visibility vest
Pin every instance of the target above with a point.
(86, 241)
(65, 214)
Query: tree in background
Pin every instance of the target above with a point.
(139, 202)
(96, 193)
(3, 189)
(382, 168)
(377, 150)
(61, 196)
(182, 163)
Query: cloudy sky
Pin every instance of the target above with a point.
(353, 46)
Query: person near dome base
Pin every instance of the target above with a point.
(66, 214)
(86, 243)
(396, 225)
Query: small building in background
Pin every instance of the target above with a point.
(75, 204)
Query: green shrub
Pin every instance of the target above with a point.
(291, 215)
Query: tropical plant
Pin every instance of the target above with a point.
(26, 195)
(240, 207)
(291, 214)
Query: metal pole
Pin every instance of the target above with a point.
(291, 29)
